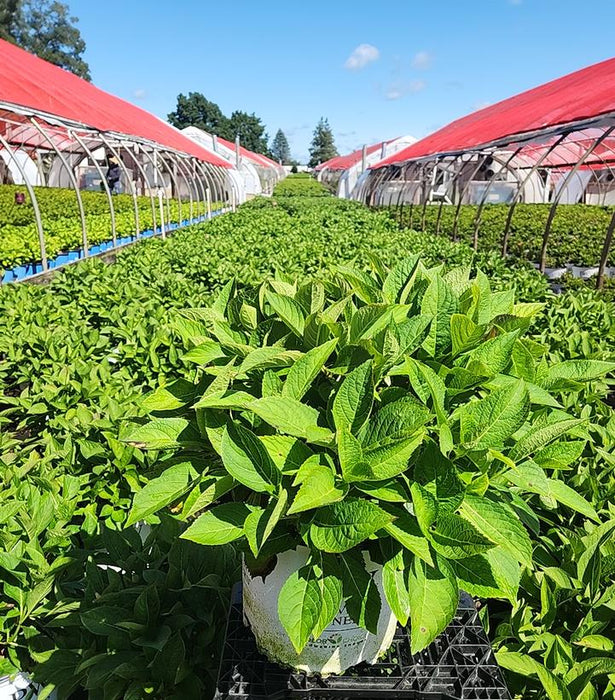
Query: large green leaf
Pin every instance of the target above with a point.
(261, 522)
(317, 489)
(291, 417)
(161, 491)
(289, 311)
(575, 370)
(398, 278)
(246, 459)
(395, 586)
(455, 538)
(438, 475)
(341, 526)
(396, 420)
(175, 395)
(299, 606)
(268, 356)
(465, 334)
(489, 422)
(539, 435)
(166, 433)
(440, 302)
(360, 592)
(354, 398)
(433, 601)
(493, 356)
(406, 531)
(498, 522)
(305, 370)
(220, 525)
(328, 576)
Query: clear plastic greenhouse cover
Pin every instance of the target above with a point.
(31, 83)
(584, 94)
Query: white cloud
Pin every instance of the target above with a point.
(362, 56)
(397, 90)
(422, 60)
(139, 94)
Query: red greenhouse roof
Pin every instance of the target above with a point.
(257, 158)
(347, 161)
(28, 81)
(584, 94)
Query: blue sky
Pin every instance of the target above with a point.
(375, 70)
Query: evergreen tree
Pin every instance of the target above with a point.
(323, 144)
(197, 110)
(280, 150)
(46, 29)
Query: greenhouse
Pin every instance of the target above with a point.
(342, 173)
(257, 173)
(550, 146)
(119, 171)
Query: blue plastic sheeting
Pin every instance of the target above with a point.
(22, 272)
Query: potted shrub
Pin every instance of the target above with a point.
(368, 443)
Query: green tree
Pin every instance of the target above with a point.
(280, 150)
(46, 29)
(323, 144)
(251, 131)
(197, 110)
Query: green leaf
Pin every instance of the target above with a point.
(260, 523)
(299, 606)
(203, 354)
(492, 357)
(291, 417)
(360, 592)
(246, 459)
(268, 356)
(354, 398)
(539, 435)
(318, 489)
(406, 531)
(341, 526)
(440, 302)
(220, 525)
(398, 278)
(498, 522)
(165, 434)
(214, 488)
(331, 591)
(465, 334)
(525, 665)
(559, 455)
(353, 464)
(456, 538)
(175, 395)
(489, 422)
(306, 369)
(438, 475)
(476, 576)
(433, 601)
(225, 400)
(161, 491)
(506, 571)
(575, 370)
(396, 591)
(287, 453)
(289, 311)
(394, 421)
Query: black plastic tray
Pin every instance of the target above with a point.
(458, 665)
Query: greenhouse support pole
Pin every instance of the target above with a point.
(161, 207)
(604, 256)
(73, 179)
(556, 200)
(237, 152)
(157, 173)
(482, 157)
(37, 212)
(364, 159)
(201, 179)
(481, 204)
(180, 165)
(208, 203)
(520, 189)
(172, 175)
(146, 180)
(219, 189)
(103, 180)
(131, 184)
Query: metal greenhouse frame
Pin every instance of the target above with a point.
(553, 145)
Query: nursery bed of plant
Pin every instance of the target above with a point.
(59, 211)
(98, 608)
(577, 233)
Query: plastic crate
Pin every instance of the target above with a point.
(458, 665)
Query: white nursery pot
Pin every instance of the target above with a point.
(343, 644)
(19, 687)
